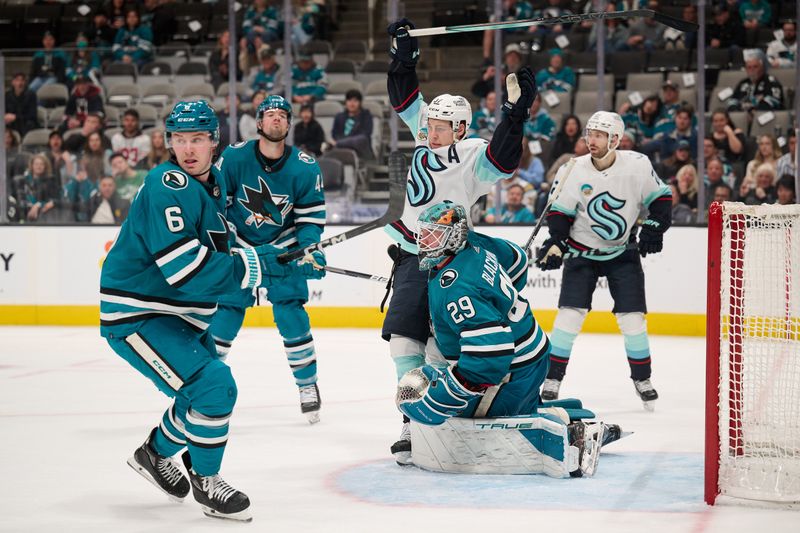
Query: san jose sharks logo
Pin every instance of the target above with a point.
(219, 239)
(264, 207)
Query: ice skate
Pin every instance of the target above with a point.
(310, 402)
(613, 433)
(550, 389)
(163, 472)
(402, 448)
(216, 497)
(588, 439)
(645, 391)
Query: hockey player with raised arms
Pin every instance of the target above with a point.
(490, 356)
(597, 209)
(159, 288)
(445, 166)
(275, 196)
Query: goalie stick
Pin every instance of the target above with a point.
(354, 274)
(397, 201)
(672, 22)
(553, 195)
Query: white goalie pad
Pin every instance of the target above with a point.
(494, 446)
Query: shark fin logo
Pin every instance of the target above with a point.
(264, 207)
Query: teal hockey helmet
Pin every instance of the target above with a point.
(442, 231)
(274, 101)
(192, 116)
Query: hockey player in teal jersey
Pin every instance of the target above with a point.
(275, 196)
(158, 291)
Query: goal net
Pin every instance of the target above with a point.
(753, 353)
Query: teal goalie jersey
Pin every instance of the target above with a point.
(479, 319)
(171, 256)
(280, 203)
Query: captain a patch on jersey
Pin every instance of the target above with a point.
(264, 207)
(447, 278)
(175, 179)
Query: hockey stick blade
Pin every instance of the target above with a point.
(354, 274)
(397, 202)
(678, 24)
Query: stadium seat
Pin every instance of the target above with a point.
(55, 116)
(377, 90)
(590, 82)
(371, 71)
(373, 106)
(148, 115)
(123, 95)
(782, 122)
(38, 138)
(586, 102)
(198, 90)
(644, 81)
(337, 89)
(667, 60)
(159, 94)
(52, 94)
(353, 50)
(340, 70)
(112, 116)
(327, 108)
(730, 78)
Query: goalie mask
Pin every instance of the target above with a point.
(441, 232)
(610, 123)
(452, 109)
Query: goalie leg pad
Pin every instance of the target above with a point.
(510, 445)
(407, 354)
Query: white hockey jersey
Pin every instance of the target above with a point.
(461, 173)
(133, 148)
(606, 204)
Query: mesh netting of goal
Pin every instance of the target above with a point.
(754, 272)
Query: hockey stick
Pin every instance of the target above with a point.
(597, 252)
(553, 195)
(354, 274)
(397, 202)
(672, 22)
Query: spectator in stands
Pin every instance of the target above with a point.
(76, 142)
(713, 178)
(721, 193)
(723, 32)
(512, 62)
(645, 34)
(711, 152)
(678, 40)
(755, 14)
(687, 183)
(85, 99)
(483, 121)
(784, 190)
(513, 211)
(566, 137)
(159, 16)
(616, 34)
(539, 33)
(681, 213)
(528, 196)
(62, 162)
(785, 164)
(728, 139)
(21, 106)
(628, 141)
(758, 90)
(304, 25)
(531, 168)
(218, 62)
(782, 53)
(131, 142)
(309, 83)
(76, 194)
(642, 120)
(115, 11)
(762, 189)
(768, 152)
(96, 159)
(670, 133)
(513, 10)
(267, 78)
(99, 32)
(667, 170)
(261, 25)
(580, 149)
(308, 134)
(49, 65)
(133, 42)
(540, 126)
(556, 77)
(158, 152)
(36, 192)
(670, 100)
(247, 122)
(106, 206)
(352, 128)
(16, 159)
(128, 180)
(85, 62)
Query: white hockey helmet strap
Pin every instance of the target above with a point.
(453, 109)
(610, 123)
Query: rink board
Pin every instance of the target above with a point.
(50, 276)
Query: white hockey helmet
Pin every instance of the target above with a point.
(454, 109)
(609, 122)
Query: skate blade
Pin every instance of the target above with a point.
(649, 406)
(145, 474)
(241, 516)
(312, 416)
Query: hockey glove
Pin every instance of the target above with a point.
(651, 238)
(312, 266)
(270, 266)
(549, 256)
(404, 48)
(430, 396)
(521, 88)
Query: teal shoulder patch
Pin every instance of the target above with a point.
(447, 278)
(305, 158)
(175, 179)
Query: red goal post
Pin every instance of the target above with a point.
(752, 441)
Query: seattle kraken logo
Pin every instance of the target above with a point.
(264, 207)
(609, 225)
(421, 187)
